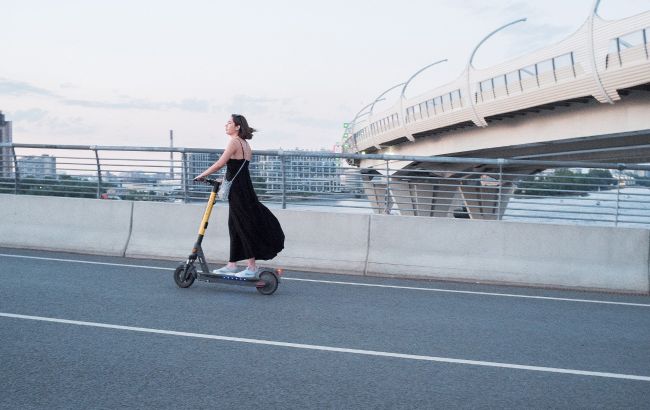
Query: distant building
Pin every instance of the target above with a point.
(37, 167)
(6, 159)
(302, 173)
(196, 163)
(641, 173)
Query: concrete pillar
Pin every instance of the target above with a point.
(507, 190)
(435, 197)
(402, 194)
(483, 196)
(375, 188)
(424, 197)
(445, 191)
(479, 200)
(420, 197)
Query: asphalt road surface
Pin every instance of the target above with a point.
(81, 332)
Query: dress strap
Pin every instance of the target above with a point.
(243, 151)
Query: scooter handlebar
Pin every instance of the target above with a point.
(212, 181)
(209, 181)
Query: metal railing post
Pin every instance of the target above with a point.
(16, 176)
(387, 195)
(99, 174)
(499, 195)
(283, 171)
(618, 193)
(185, 177)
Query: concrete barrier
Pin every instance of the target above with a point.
(324, 241)
(510, 252)
(315, 241)
(484, 251)
(64, 224)
(170, 230)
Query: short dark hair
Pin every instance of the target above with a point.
(245, 131)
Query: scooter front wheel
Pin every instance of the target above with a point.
(270, 283)
(184, 275)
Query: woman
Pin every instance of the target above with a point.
(255, 232)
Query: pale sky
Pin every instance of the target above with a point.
(120, 72)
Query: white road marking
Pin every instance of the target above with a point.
(473, 292)
(332, 349)
(467, 292)
(86, 262)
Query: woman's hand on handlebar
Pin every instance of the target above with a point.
(199, 178)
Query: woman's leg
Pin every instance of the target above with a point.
(251, 264)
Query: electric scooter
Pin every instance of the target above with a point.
(266, 281)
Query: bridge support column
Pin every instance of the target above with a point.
(445, 192)
(376, 189)
(423, 198)
(402, 194)
(484, 198)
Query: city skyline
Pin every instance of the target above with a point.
(125, 74)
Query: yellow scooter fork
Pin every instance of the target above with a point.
(206, 214)
(197, 251)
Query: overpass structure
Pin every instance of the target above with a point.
(586, 97)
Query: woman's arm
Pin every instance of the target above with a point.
(221, 162)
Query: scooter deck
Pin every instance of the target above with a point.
(217, 276)
(213, 277)
(233, 280)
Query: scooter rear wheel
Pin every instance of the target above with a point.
(184, 275)
(271, 283)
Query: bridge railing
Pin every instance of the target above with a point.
(476, 188)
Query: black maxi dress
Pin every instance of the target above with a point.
(254, 231)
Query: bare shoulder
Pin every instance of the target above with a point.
(232, 146)
(232, 143)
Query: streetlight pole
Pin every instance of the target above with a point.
(595, 8)
(403, 96)
(356, 117)
(592, 53)
(406, 84)
(478, 120)
(372, 106)
(360, 113)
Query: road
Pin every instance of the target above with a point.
(81, 331)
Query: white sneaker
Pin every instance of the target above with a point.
(225, 271)
(247, 273)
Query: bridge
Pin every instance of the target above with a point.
(584, 98)
(90, 316)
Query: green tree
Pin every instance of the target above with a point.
(601, 178)
(563, 182)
